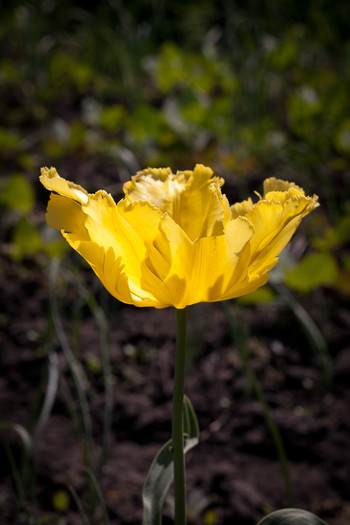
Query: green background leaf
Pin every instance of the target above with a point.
(25, 238)
(313, 270)
(17, 194)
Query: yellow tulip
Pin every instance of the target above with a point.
(174, 240)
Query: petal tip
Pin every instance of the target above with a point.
(54, 182)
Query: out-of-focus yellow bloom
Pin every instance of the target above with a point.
(174, 240)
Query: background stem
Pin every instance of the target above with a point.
(177, 421)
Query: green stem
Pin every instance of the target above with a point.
(177, 422)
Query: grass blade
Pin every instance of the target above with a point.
(291, 517)
(79, 505)
(312, 332)
(50, 396)
(102, 324)
(73, 364)
(20, 476)
(239, 336)
(99, 494)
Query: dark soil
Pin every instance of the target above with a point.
(233, 475)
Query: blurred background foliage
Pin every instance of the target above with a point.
(251, 89)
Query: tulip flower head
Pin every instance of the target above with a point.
(174, 239)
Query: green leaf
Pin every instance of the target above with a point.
(9, 140)
(146, 123)
(25, 238)
(113, 118)
(313, 270)
(291, 517)
(77, 134)
(342, 137)
(191, 428)
(18, 194)
(161, 472)
(57, 248)
(261, 295)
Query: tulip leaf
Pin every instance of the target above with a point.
(291, 517)
(161, 472)
(191, 429)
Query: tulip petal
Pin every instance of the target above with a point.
(107, 268)
(66, 214)
(181, 272)
(126, 227)
(123, 228)
(202, 210)
(174, 240)
(272, 184)
(275, 219)
(107, 235)
(241, 208)
(110, 271)
(274, 223)
(192, 199)
(53, 182)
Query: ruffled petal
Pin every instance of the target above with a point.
(272, 184)
(241, 208)
(110, 271)
(111, 237)
(53, 182)
(174, 240)
(183, 272)
(126, 228)
(275, 221)
(192, 199)
(66, 214)
(155, 185)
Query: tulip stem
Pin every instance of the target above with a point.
(177, 421)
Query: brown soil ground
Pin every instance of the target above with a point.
(233, 475)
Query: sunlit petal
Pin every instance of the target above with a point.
(174, 240)
(241, 208)
(53, 182)
(272, 184)
(111, 272)
(191, 272)
(192, 199)
(274, 223)
(66, 214)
